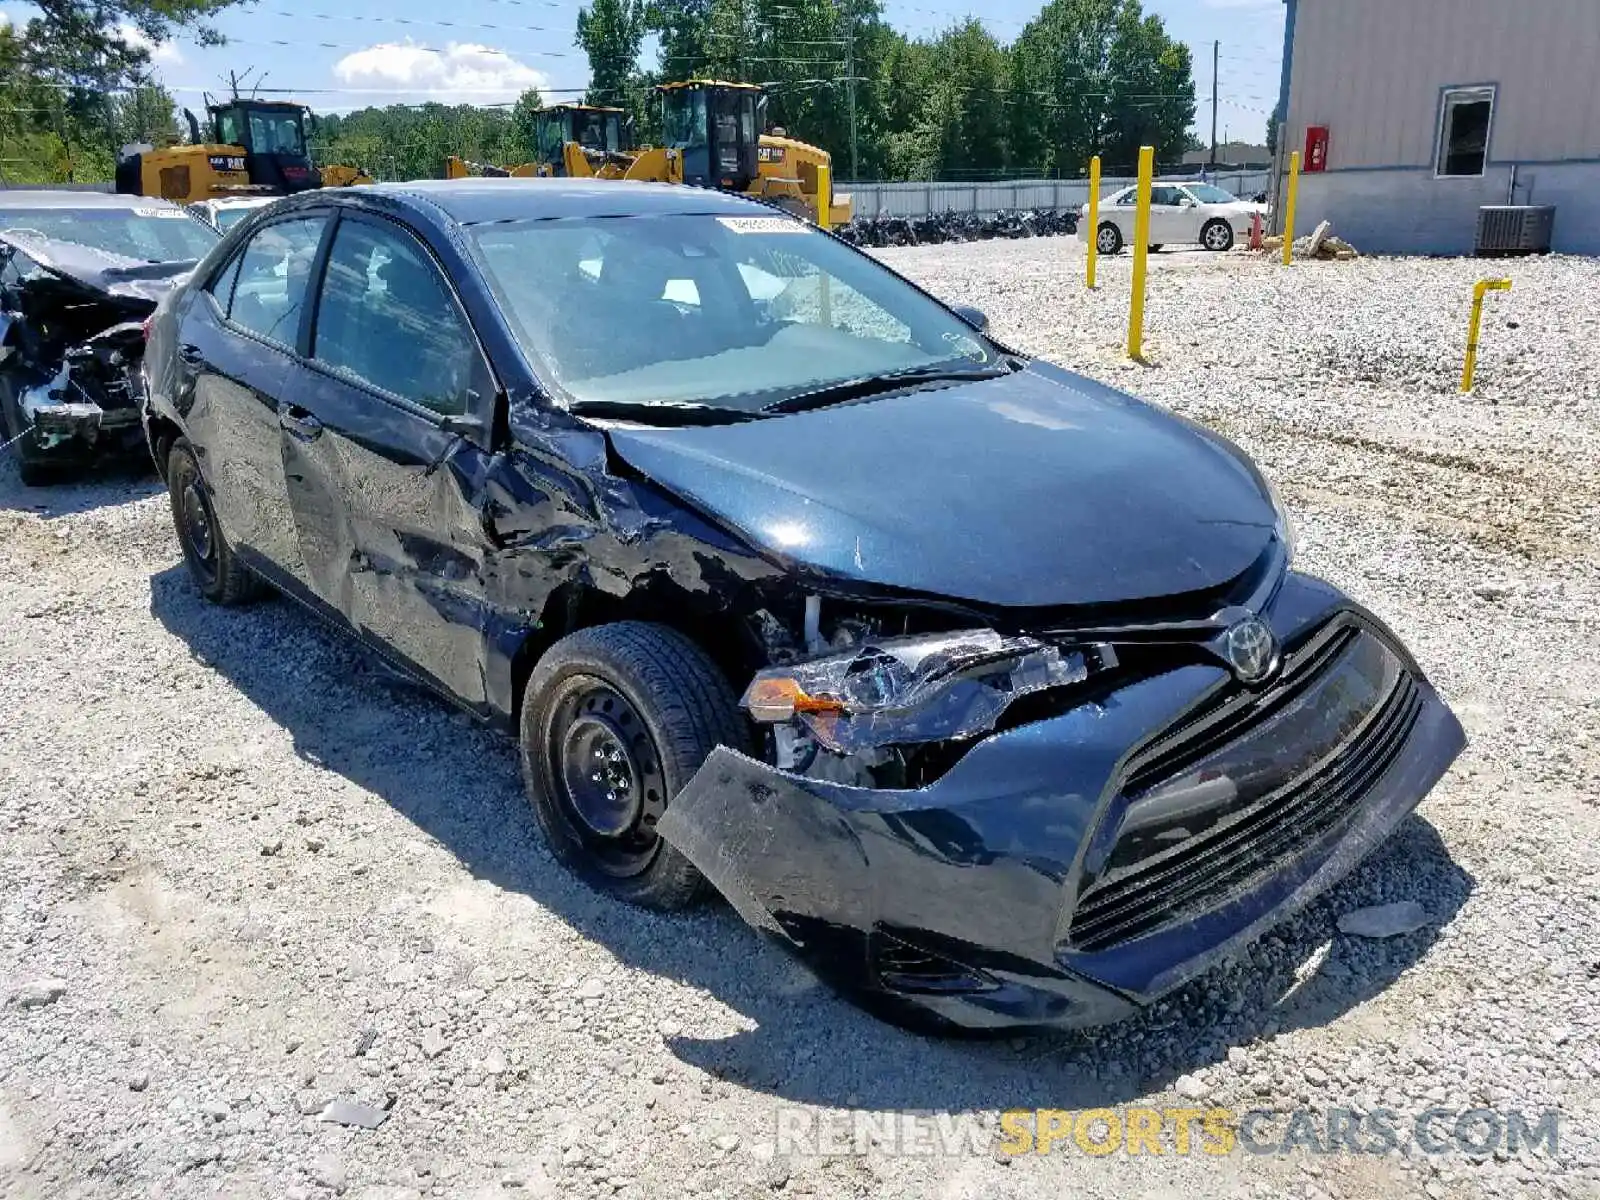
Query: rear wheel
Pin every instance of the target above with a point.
(1217, 235)
(1108, 238)
(616, 720)
(215, 569)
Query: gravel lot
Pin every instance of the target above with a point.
(263, 878)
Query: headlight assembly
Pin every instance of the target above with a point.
(928, 688)
(1283, 524)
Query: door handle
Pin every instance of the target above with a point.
(191, 355)
(299, 423)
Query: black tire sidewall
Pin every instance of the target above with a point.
(181, 466)
(670, 880)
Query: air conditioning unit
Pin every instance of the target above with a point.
(1515, 229)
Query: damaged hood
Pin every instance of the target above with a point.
(1040, 488)
(97, 274)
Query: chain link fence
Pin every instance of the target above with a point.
(1010, 195)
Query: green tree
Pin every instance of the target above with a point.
(610, 32)
(1272, 135)
(1098, 77)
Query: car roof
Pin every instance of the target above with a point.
(32, 200)
(486, 201)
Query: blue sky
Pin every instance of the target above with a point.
(342, 54)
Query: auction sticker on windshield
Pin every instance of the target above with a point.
(762, 224)
(165, 214)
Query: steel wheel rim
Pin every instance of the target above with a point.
(196, 525)
(605, 775)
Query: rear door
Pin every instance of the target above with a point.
(377, 468)
(237, 342)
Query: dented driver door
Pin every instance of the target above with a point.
(377, 461)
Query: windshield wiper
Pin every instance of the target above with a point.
(871, 385)
(663, 412)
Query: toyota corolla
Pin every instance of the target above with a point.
(989, 690)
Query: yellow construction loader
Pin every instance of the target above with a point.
(250, 147)
(711, 140)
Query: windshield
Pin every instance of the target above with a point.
(276, 133)
(151, 234)
(684, 118)
(1207, 194)
(730, 312)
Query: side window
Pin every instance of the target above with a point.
(387, 318)
(274, 278)
(221, 287)
(1164, 195)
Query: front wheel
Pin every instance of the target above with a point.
(1108, 238)
(617, 718)
(1217, 235)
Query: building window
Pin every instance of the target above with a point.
(1464, 130)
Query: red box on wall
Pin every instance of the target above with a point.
(1316, 156)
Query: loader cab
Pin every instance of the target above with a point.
(596, 129)
(716, 127)
(272, 134)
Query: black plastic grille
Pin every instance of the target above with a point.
(1205, 870)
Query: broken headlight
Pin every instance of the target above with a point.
(927, 688)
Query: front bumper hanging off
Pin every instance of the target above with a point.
(1070, 870)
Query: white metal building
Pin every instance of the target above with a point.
(1429, 109)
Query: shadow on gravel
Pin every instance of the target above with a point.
(79, 491)
(459, 784)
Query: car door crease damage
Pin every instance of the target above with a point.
(997, 701)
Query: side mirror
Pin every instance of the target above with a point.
(972, 316)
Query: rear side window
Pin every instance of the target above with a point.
(274, 279)
(387, 318)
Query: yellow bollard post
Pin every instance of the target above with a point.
(1141, 252)
(1093, 217)
(1483, 288)
(1288, 207)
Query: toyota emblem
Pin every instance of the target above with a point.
(1250, 649)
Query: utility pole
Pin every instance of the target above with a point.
(850, 85)
(1216, 58)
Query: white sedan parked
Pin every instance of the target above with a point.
(1180, 214)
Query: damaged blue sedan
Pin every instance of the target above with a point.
(987, 689)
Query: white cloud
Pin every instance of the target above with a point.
(463, 71)
(161, 52)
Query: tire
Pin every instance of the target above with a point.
(586, 698)
(1216, 235)
(1108, 238)
(1155, 247)
(215, 569)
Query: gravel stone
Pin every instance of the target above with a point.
(1384, 920)
(38, 993)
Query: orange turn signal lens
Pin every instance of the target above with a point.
(777, 698)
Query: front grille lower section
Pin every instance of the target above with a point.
(1146, 885)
